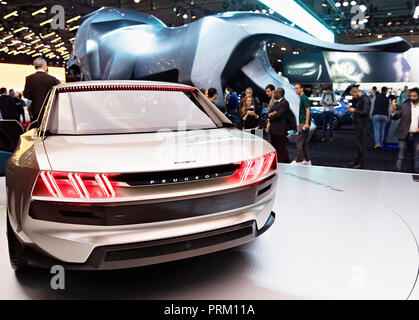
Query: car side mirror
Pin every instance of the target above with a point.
(10, 131)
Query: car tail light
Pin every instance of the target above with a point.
(74, 185)
(255, 168)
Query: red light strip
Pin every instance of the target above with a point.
(102, 185)
(75, 185)
(255, 168)
(108, 184)
(82, 185)
(48, 184)
(125, 87)
(54, 184)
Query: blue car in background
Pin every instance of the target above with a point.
(341, 114)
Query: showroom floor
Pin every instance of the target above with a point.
(339, 234)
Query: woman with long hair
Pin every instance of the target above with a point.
(249, 117)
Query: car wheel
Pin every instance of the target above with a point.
(336, 123)
(16, 259)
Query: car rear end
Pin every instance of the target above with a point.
(107, 200)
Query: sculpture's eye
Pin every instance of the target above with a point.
(349, 67)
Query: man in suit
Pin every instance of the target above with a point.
(278, 125)
(361, 111)
(408, 129)
(37, 86)
(8, 107)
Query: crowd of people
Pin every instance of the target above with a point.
(378, 108)
(37, 86)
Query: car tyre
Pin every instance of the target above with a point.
(16, 260)
(336, 123)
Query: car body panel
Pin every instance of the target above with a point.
(150, 151)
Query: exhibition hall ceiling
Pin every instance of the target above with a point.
(26, 31)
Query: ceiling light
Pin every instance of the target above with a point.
(365, 20)
(20, 29)
(45, 22)
(324, 4)
(14, 13)
(73, 19)
(74, 28)
(338, 4)
(345, 3)
(416, 14)
(48, 35)
(389, 23)
(72, 39)
(8, 37)
(35, 41)
(411, 31)
(39, 11)
(29, 35)
(271, 11)
(353, 3)
(185, 16)
(137, 1)
(363, 7)
(379, 36)
(56, 40)
(283, 49)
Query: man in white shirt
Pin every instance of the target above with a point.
(408, 130)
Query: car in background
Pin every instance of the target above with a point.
(341, 114)
(118, 174)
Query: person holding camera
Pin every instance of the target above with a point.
(249, 117)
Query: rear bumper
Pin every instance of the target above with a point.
(157, 251)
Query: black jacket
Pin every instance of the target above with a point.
(405, 114)
(8, 108)
(36, 89)
(362, 109)
(278, 121)
(381, 105)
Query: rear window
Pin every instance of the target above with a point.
(132, 111)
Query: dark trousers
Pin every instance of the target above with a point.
(279, 142)
(411, 142)
(328, 120)
(302, 145)
(360, 133)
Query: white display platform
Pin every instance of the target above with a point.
(339, 234)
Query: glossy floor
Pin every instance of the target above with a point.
(339, 234)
